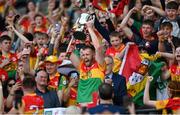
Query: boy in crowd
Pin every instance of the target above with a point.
(171, 10)
(167, 42)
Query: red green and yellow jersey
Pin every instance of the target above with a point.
(57, 82)
(172, 104)
(175, 73)
(90, 79)
(12, 66)
(33, 104)
(72, 97)
(94, 71)
(13, 59)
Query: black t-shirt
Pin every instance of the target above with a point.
(150, 46)
(167, 45)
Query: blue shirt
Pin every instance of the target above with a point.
(106, 108)
(51, 99)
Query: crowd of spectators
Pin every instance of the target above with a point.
(70, 53)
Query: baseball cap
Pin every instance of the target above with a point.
(52, 59)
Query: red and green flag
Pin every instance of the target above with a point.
(136, 68)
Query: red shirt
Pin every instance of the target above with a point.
(112, 51)
(175, 73)
(33, 103)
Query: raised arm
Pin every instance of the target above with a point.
(155, 9)
(21, 36)
(127, 18)
(146, 98)
(166, 55)
(96, 43)
(75, 59)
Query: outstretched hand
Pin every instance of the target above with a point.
(90, 23)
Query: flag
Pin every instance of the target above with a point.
(155, 71)
(120, 7)
(136, 68)
(130, 62)
(101, 4)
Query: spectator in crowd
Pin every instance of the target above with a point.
(162, 83)
(8, 60)
(9, 92)
(37, 25)
(57, 81)
(117, 81)
(171, 16)
(167, 42)
(71, 91)
(31, 102)
(107, 47)
(171, 103)
(50, 97)
(28, 103)
(116, 50)
(106, 106)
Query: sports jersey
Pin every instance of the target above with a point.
(12, 66)
(175, 73)
(33, 104)
(57, 82)
(72, 97)
(90, 79)
(173, 104)
(112, 52)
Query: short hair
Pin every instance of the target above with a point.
(148, 22)
(45, 35)
(110, 57)
(39, 70)
(38, 15)
(38, 34)
(29, 82)
(89, 47)
(166, 24)
(174, 87)
(114, 34)
(105, 91)
(4, 37)
(172, 5)
(29, 36)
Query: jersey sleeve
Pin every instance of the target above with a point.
(63, 83)
(161, 104)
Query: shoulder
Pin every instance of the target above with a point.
(118, 76)
(95, 110)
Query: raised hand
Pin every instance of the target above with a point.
(5, 62)
(160, 35)
(72, 82)
(90, 23)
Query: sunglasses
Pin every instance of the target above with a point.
(10, 85)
